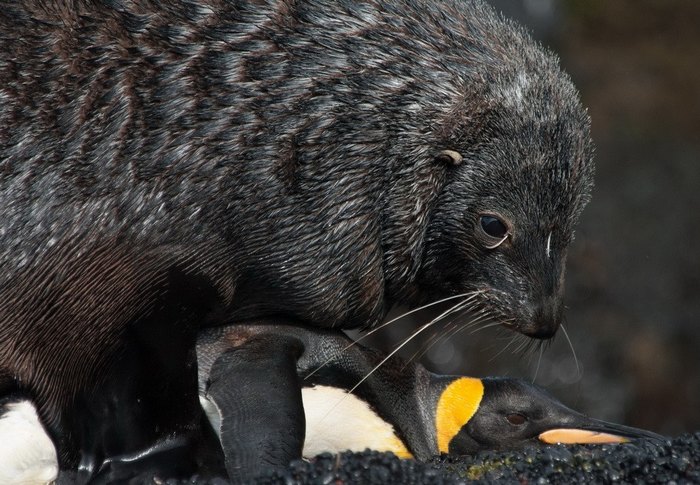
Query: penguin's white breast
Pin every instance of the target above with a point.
(337, 421)
(27, 455)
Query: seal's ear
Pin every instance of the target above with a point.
(449, 157)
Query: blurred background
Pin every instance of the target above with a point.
(633, 280)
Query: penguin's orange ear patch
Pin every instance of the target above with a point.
(457, 404)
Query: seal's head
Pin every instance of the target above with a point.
(519, 170)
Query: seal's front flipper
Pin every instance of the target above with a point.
(256, 391)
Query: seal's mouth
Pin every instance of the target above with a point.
(539, 331)
(545, 319)
(538, 318)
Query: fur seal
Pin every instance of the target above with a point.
(167, 167)
(401, 407)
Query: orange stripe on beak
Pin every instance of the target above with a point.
(579, 436)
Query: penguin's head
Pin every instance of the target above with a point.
(506, 413)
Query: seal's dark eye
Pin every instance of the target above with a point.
(494, 227)
(516, 419)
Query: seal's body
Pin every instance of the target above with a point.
(165, 167)
(356, 398)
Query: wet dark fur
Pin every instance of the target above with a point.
(166, 167)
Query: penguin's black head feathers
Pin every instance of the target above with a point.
(513, 413)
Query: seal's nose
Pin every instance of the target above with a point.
(546, 316)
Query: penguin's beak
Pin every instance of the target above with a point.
(593, 431)
(579, 436)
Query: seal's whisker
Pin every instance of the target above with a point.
(470, 324)
(452, 323)
(438, 335)
(502, 335)
(431, 341)
(479, 314)
(435, 338)
(453, 330)
(524, 343)
(519, 344)
(483, 316)
(461, 328)
(573, 352)
(422, 328)
(470, 295)
(547, 344)
(539, 361)
(533, 346)
(490, 325)
(510, 342)
(476, 318)
(474, 322)
(530, 349)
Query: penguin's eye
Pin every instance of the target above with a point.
(516, 419)
(493, 226)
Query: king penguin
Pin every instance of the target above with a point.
(344, 404)
(313, 376)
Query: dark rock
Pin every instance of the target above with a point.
(676, 461)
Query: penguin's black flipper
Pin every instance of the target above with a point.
(257, 393)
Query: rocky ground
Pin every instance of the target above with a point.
(674, 462)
